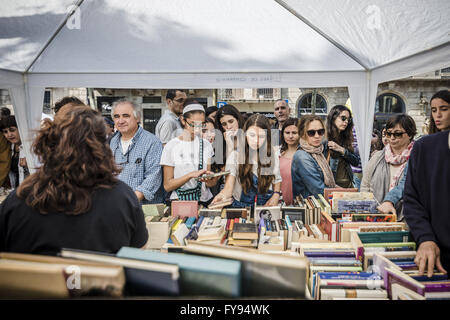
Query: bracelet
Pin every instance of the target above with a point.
(278, 192)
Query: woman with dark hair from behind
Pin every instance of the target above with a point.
(440, 112)
(18, 168)
(385, 173)
(74, 200)
(340, 148)
(289, 145)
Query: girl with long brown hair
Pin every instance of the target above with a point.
(74, 200)
(254, 169)
(341, 152)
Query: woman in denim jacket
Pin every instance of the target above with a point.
(340, 145)
(310, 170)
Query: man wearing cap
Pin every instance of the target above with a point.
(137, 152)
(169, 125)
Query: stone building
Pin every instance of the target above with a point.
(410, 95)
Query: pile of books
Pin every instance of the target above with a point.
(403, 281)
(336, 271)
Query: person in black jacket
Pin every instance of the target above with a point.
(74, 200)
(427, 201)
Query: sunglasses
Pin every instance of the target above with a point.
(395, 134)
(312, 133)
(179, 100)
(344, 118)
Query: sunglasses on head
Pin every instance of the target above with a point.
(312, 133)
(395, 134)
(344, 118)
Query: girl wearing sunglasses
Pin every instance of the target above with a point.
(255, 170)
(340, 144)
(385, 172)
(310, 170)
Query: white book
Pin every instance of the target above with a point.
(329, 294)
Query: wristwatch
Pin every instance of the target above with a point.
(279, 193)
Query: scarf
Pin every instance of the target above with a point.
(317, 154)
(397, 159)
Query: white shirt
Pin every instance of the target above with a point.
(232, 165)
(184, 157)
(125, 144)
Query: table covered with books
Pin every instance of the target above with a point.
(331, 247)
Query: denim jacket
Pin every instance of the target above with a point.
(307, 177)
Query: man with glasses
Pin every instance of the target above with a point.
(137, 152)
(169, 125)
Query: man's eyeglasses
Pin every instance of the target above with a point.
(344, 118)
(312, 133)
(395, 134)
(179, 100)
(196, 124)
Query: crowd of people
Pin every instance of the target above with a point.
(88, 190)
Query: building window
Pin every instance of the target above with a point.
(312, 103)
(151, 118)
(387, 104)
(264, 93)
(151, 99)
(47, 108)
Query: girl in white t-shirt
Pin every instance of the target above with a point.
(180, 159)
(255, 171)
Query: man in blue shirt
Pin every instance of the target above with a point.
(137, 152)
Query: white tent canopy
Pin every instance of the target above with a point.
(218, 44)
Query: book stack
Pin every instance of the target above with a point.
(142, 278)
(37, 276)
(353, 202)
(330, 257)
(263, 274)
(402, 279)
(199, 275)
(243, 233)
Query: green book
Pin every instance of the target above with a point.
(391, 244)
(153, 209)
(199, 275)
(392, 236)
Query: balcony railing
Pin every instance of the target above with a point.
(254, 94)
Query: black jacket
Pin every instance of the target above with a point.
(427, 191)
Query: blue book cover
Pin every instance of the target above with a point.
(331, 254)
(357, 206)
(349, 275)
(189, 222)
(199, 275)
